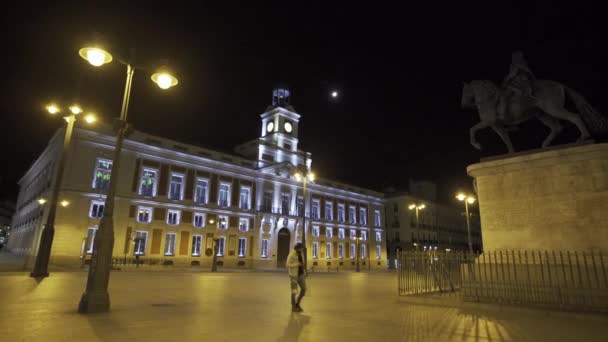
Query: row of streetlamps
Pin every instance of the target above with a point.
(462, 197)
(96, 297)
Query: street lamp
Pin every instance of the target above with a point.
(467, 199)
(96, 297)
(417, 207)
(304, 176)
(41, 266)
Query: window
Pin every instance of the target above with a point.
(341, 233)
(197, 240)
(147, 185)
(244, 198)
(200, 192)
(170, 243)
(353, 250)
(199, 220)
(96, 210)
(90, 239)
(353, 234)
(242, 247)
(140, 243)
(328, 250)
(329, 232)
(244, 224)
(378, 236)
(222, 222)
(220, 245)
(363, 216)
(351, 215)
(315, 209)
(315, 231)
(224, 198)
(267, 201)
(341, 251)
(264, 251)
(329, 211)
(285, 203)
(364, 235)
(340, 212)
(378, 252)
(173, 217)
(377, 218)
(144, 215)
(363, 251)
(101, 177)
(300, 205)
(315, 249)
(176, 187)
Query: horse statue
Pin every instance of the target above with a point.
(502, 109)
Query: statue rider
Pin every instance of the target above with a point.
(520, 78)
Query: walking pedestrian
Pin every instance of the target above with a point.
(297, 276)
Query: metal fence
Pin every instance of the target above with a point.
(563, 280)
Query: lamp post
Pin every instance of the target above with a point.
(41, 267)
(417, 207)
(304, 176)
(467, 199)
(96, 297)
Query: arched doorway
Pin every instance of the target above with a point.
(283, 247)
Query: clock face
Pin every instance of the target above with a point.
(288, 127)
(270, 127)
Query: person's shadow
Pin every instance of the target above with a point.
(294, 327)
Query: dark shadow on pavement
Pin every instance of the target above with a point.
(296, 322)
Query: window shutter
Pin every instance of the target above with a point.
(184, 243)
(127, 240)
(136, 175)
(132, 211)
(159, 214)
(157, 235)
(186, 216)
(189, 185)
(162, 184)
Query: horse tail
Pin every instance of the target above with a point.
(595, 122)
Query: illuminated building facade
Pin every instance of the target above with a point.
(174, 200)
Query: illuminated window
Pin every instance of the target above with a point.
(244, 224)
(341, 213)
(300, 205)
(377, 218)
(197, 240)
(363, 216)
(147, 184)
(315, 231)
(285, 203)
(264, 252)
(378, 252)
(329, 211)
(328, 250)
(224, 196)
(329, 232)
(220, 245)
(176, 187)
(173, 217)
(245, 193)
(242, 247)
(364, 235)
(90, 239)
(315, 249)
(378, 236)
(200, 192)
(352, 219)
(170, 243)
(353, 250)
(363, 251)
(222, 222)
(341, 251)
(144, 214)
(140, 242)
(101, 176)
(199, 220)
(315, 209)
(341, 233)
(353, 234)
(96, 210)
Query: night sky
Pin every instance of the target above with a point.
(399, 69)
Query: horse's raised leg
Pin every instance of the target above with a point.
(553, 124)
(473, 131)
(562, 113)
(502, 133)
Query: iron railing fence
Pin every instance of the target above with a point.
(568, 280)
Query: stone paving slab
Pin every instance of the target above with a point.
(186, 306)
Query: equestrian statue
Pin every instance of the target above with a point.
(521, 97)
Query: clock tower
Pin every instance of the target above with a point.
(278, 141)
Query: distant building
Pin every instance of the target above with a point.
(438, 225)
(7, 209)
(174, 199)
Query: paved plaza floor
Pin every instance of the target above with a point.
(254, 306)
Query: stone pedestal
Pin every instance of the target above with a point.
(544, 200)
